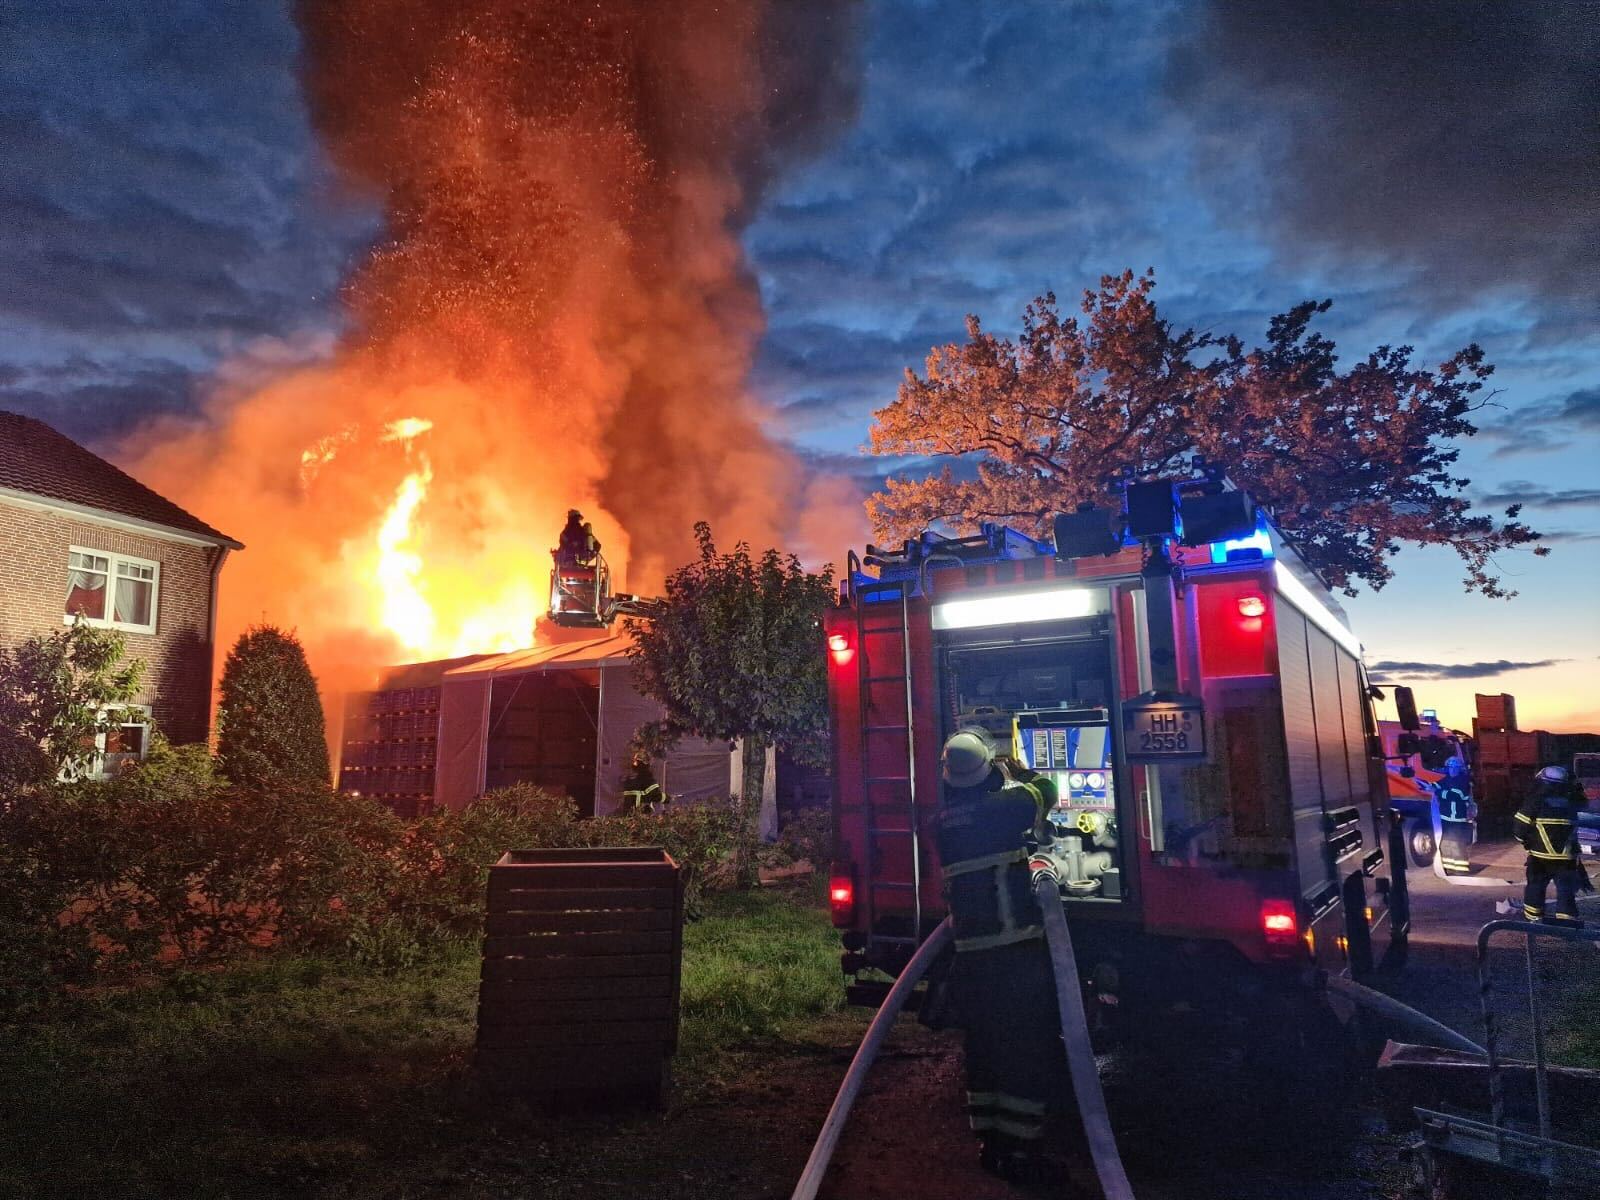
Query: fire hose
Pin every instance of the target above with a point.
(1080, 1057)
(877, 1032)
(1438, 860)
(1075, 1031)
(1416, 1025)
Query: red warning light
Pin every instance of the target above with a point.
(839, 646)
(1252, 606)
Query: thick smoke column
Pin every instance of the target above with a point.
(1462, 139)
(559, 313)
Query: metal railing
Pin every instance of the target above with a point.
(1500, 1143)
(1528, 931)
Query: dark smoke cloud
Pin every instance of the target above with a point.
(559, 313)
(1462, 139)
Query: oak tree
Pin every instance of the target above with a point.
(1353, 462)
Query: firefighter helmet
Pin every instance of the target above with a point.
(1552, 775)
(968, 758)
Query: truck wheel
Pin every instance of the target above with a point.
(1420, 845)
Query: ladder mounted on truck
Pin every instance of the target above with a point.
(884, 642)
(881, 607)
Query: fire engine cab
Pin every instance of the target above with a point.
(1195, 693)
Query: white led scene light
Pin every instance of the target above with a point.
(1057, 605)
(1321, 616)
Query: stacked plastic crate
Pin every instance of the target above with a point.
(391, 747)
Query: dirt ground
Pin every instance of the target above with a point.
(1186, 1135)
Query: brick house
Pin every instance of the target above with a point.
(79, 536)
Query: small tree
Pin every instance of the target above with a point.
(58, 693)
(736, 652)
(1352, 462)
(270, 728)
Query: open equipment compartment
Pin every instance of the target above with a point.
(1045, 693)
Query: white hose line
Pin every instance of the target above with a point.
(1415, 1024)
(1438, 859)
(1080, 1056)
(877, 1033)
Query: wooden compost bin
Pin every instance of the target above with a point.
(582, 957)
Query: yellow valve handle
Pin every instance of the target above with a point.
(1086, 822)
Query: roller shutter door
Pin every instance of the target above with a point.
(1300, 741)
(1332, 756)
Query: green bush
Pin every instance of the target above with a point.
(808, 836)
(270, 727)
(704, 839)
(58, 692)
(172, 866)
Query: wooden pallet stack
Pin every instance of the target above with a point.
(1507, 759)
(582, 959)
(391, 747)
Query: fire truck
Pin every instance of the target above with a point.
(1195, 693)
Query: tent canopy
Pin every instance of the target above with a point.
(695, 769)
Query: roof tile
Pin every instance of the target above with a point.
(35, 459)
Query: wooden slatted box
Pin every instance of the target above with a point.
(582, 962)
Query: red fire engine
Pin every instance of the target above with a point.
(1223, 822)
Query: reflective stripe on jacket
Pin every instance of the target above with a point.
(1546, 826)
(983, 835)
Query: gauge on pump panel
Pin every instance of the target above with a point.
(1096, 780)
(1076, 779)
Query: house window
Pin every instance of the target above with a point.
(124, 744)
(113, 590)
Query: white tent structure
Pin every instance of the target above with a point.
(561, 716)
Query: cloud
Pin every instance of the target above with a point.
(1532, 495)
(1547, 424)
(1457, 139)
(162, 203)
(1393, 671)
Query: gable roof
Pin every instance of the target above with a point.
(36, 461)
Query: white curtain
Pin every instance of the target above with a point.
(81, 588)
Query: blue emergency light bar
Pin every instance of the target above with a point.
(1254, 548)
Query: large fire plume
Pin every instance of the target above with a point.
(559, 315)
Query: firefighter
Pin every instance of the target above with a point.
(640, 791)
(1452, 792)
(571, 543)
(1546, 825)
(1001, 984)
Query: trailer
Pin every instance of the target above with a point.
(1225, 837)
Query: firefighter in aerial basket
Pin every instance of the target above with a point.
(571, 545)
(1001, 985)
(1547, 827)
(1452, 792)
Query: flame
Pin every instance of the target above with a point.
(406, 428)
(405, 610)
(559, 315)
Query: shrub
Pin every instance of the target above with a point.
(704, 839)
(57, 692)
(442, 861)
(270, 728)
(808, 835)
(172, 866)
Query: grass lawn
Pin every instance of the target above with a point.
(301, 1077)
